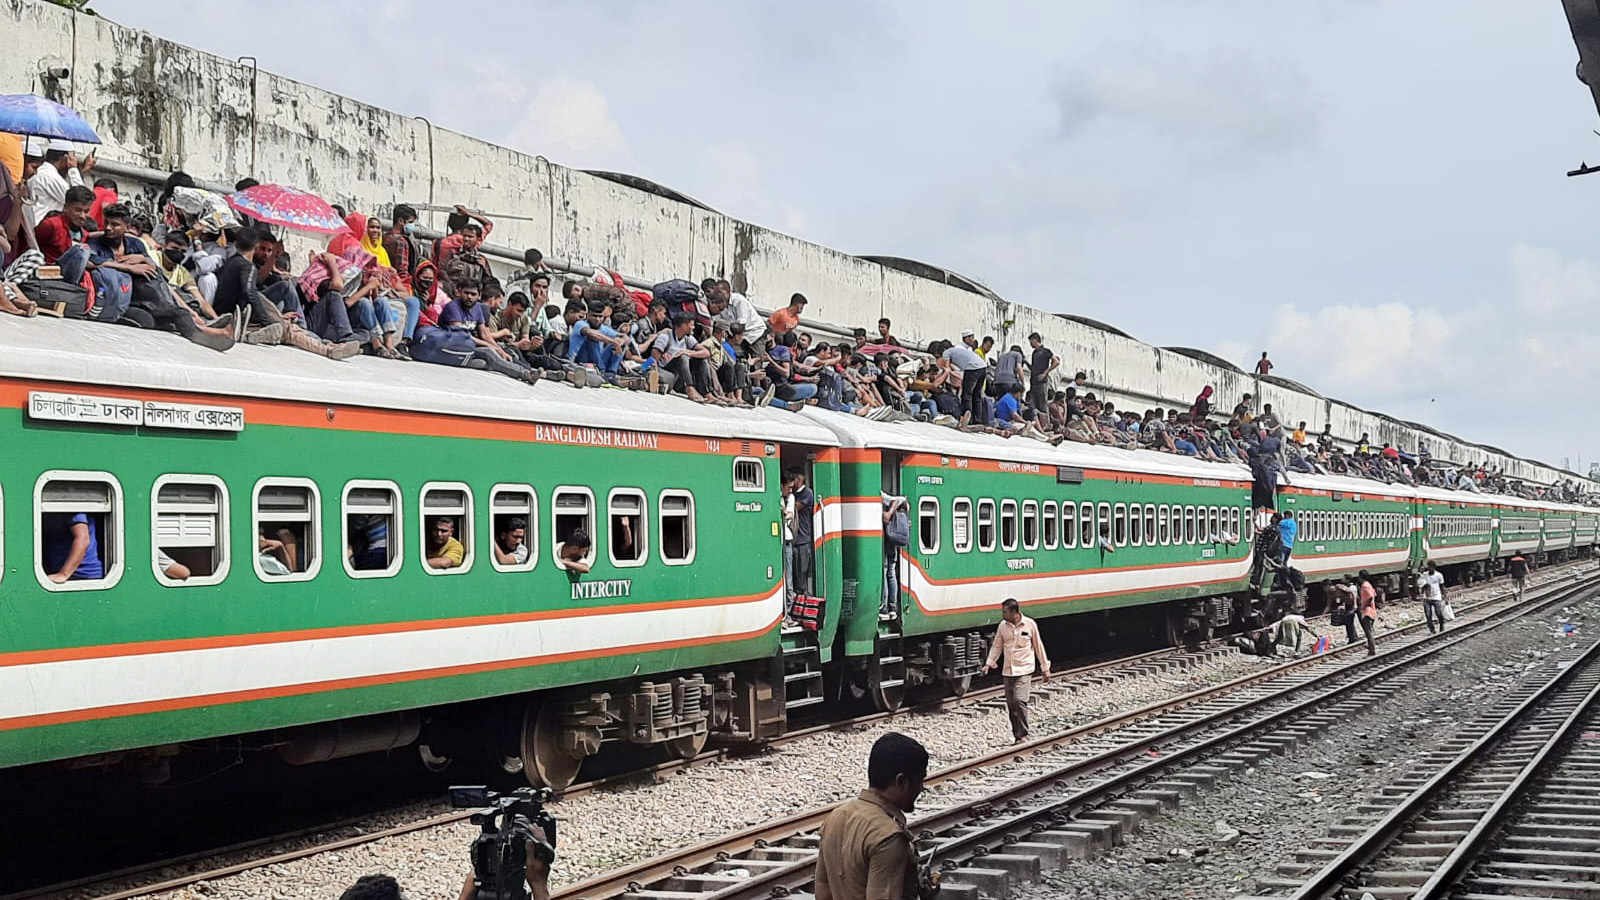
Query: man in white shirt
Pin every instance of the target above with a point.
(963, 359)
(1433, 596)
(1019, 652)
(729, 307)
(60, 171)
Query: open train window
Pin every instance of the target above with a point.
(286, 526)
(1191, 525)
(986, 525)
(928, 525)
(1150, 524)
(1030, 524)
(1086, 533)
(1164, 524)
(572, 511)
(1103, 524)
(189, 530)
(447, 533)
(1213, 524)
(373, 538)
(1069, 525)
(629, 540)
(1135, 526)
(1050, 522)
(1008, 525)
(513, 527)
(749, 475)
(676, 511)
(961, 524)
(79, 526)
(1119, 525)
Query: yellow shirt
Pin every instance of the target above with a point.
(452, 550)
(1299, 436)
(11, 153)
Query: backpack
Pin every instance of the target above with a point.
(58, 298)
(681, 296)
(897, 531)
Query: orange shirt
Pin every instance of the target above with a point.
(782, 321)
(11, 153)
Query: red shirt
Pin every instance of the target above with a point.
(56, 236)
(103, 197)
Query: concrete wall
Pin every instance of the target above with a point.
(166, 106)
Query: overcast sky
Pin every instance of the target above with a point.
(1373, 190)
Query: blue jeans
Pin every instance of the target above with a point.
(73, 262)
(1187, 448)
(923, 404)
(373, 317)
(796, 392)
(413, 315)
(583, 349)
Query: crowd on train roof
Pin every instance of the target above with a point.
(378, 288)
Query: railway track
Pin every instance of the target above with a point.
(144, 879)
(1509, 808)
(136, 881)
(1007, 815)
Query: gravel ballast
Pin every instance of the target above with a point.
(617, 826)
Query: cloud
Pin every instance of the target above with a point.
(569, 121)
(733, 174)
(1226, 103)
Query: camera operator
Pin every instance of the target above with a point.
(538, 875)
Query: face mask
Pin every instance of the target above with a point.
(409, 228)
(174, 256)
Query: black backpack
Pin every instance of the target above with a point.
(57, 298)
(681, 296)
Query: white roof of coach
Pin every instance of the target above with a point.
(86, 355)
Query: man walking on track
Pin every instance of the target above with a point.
(1433, 596)
(1518, 569)
(1017, 640)
(1367, 609)
(866, 851)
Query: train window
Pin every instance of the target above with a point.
(1119, 525)
(749, 475)
(447, 532)
(1149, 524)
(1102, 523)
(629, 537)
(572, 511)
(1213, 524)
(74, 509)
(1164, 524)
(676, 511)
(514, 527)
(372, 534)
(986, 525)
(1069, 525)
(287, 528)
(1050, 520)
(961, 525)
(189, 530)
(1030, 524)
(928, 525)
(1008, 525)
(1191, 525)
(1135, 526)
(1086, 525)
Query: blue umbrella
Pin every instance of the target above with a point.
(30, 114)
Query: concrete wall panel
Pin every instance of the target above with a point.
(166, 106)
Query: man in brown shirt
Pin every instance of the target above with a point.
(866, 851)
(1017, 642)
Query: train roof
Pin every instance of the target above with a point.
(83, 354)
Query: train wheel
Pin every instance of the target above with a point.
(544, 761)
(887, 698)
(688, 746)
(958, 687)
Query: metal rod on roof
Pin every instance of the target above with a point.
(434, 207)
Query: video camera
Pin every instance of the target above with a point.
(511, 824)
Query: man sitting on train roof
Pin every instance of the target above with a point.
(124, 272)
(444, 551)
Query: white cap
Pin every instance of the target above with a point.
(59, 144)
(33, 146)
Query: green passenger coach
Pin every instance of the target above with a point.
(323, 559)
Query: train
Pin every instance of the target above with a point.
(674, 638)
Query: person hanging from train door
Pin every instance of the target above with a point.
(1268, 548)
(1288, 530)
(1019, 652)
(896, 535)
(801, 533)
